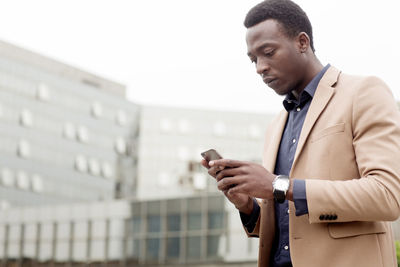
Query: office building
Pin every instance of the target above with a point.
(171, 140)
(189, 231)
(65, 135)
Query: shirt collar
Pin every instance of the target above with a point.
(290, 101)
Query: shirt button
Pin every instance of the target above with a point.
(288, 211)
(294, 140)
(286, 247)
(298, 109)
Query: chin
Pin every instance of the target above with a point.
(280, 91)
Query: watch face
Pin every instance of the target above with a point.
(281, 184)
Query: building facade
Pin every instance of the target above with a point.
(190, 231)
(65, 135)
(171, 140)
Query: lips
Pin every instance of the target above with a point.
(269, 80)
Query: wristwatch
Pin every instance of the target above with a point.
(280, 187)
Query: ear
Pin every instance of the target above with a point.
(303, 41)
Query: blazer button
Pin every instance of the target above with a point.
(321, 217)
(335, 217)
(330, 217)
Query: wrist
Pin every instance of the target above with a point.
(247, 208)
(289, 193)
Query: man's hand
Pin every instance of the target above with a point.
(240, 177)
(242, 202)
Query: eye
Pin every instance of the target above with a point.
(253, 60)
(269, 53)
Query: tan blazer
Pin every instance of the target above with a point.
(349, 154)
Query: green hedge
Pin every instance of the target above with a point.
(398, 252)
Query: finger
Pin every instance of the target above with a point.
(205, 163)
(227, 163)
(238, 189)
(213, 171)
(228, 172)
(228, 182)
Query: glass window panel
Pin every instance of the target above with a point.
(212, 245)
(153, 223)
(194, 204)
(174, 206)
(194, 221)
(153, 207)
(153, 248)
(173, 248)
(215, 203)
(137, 223)
(193, 247)
(136, 208)
(136, 248)
(174, 222)
(215, 220)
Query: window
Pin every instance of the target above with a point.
(121, 118)
(173, 248)
(96, 110)
(42, 92)
(136, 248)
(137, 223)
(193, 250)
(120, 146)
(153, 223)
(7, 177)
(23, 149)
(81, 163)
(83, 134)
(215, 220)
(107, 170)
(69, 131)
(174, 222)
(37, 183)
(94, 167)
(26, 118)
(194, 221)
(153, 248)
(213, 243)
(23, 180)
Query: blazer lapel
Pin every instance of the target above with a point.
(321, 98)
(272, 147)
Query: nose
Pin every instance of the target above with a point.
(262, 66)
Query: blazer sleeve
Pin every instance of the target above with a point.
(376, 143)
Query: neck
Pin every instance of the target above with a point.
(311, 70)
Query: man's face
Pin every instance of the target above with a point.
(277, 57)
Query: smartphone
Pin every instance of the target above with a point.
(211, 154)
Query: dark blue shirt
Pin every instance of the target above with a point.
(297, 110)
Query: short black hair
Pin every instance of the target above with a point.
(290, 16)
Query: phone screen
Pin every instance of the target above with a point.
(211, 154)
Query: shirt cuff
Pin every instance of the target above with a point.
(299, 197)
(249, 221)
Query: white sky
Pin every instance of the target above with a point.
(192, 53)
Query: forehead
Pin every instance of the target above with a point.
(264, 33)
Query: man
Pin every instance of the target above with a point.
(331, 165)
